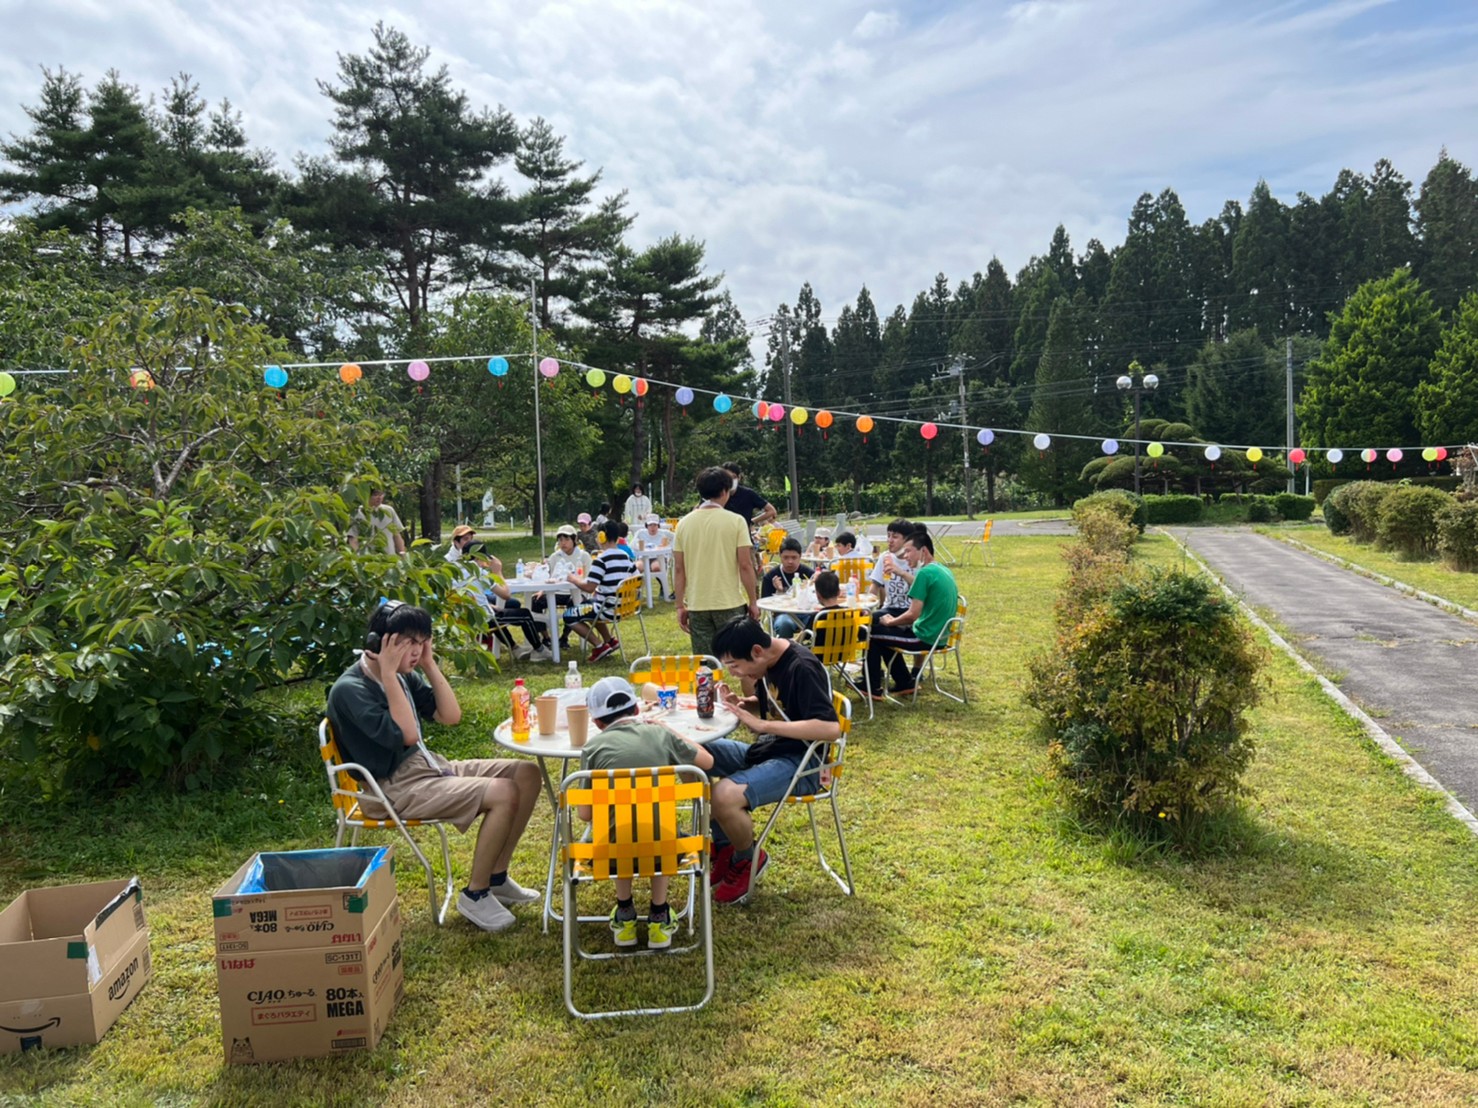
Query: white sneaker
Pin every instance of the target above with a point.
(510, 892)
(543, 654)
(522, 651)
(486, 912)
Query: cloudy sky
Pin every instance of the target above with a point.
(846, 143)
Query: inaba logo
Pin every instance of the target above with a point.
(238, 963)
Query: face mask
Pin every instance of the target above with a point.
(735, 486)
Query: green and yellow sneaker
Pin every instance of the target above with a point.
(623, 930)
(660, 932)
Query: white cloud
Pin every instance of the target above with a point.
(877, 25)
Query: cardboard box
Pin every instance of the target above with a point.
(71, 959)
(304, 898)
(311, 1002)
(308, 953)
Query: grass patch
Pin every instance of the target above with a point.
(1428, 576)
(998, 949)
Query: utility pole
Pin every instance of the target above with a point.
(957, 369)
(795, 487)
(1292, 478)
(538, 432)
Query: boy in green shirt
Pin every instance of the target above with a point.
(624, 742)
(933, 599)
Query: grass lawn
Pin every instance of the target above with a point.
(1429, 576)
(997, 951)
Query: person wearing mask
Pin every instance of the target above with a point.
(637, 507)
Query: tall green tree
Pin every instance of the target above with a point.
(411, 175)
(1361, 389)
(1235, 390)
(1061, 405)
(1447, 224)
(1447, 399)
(1261, 267)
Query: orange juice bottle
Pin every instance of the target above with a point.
(520, 701)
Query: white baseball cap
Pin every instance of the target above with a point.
(610, 696)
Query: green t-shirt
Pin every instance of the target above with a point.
(631, 744)
(935, 586)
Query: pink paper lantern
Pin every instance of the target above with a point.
(549, 367)
(1394, 455)
(777, 412)
(418, 370)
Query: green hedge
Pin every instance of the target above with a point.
(1292, 506)
(1173, 509)
(1457, 535)
(1123, 503)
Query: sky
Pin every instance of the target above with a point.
(847, 143)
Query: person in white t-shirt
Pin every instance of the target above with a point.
(637, 507)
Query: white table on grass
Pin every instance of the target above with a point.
(523, 586)
(647, 557)
(556, 748)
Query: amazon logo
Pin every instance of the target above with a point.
(55, 1021)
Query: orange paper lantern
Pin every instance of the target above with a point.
(864, 423)
(823, 420)
(350, 373)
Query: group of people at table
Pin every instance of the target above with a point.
(378, 704)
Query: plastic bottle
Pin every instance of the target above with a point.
(572, 678)
(520, 701)
(706, 694)
(518, 571)
(851, 588)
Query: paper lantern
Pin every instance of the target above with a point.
(928, 430)
(549, 367)
(1109, 446)
(1042, 441)
(685, 396)
(498, 367)
(640, 386)
(865, 424)
(722, 403)
(985, 436)
(418, 370)
(1429, 454)
(1297, 456)
(1212, 453)
(1155, 449)
(1368, 455)
(143, 379)
(350, 373)
(1335, 456)
(595, 378)
(1254, 454)
(761, 409)
(799, 416)
(1442, 453)
(777, 412)
(7, 384)
(823, 419)
(275, 377)
(621, 383)
(1394, 455)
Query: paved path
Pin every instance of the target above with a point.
(1407, 663)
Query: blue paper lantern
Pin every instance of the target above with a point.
(685, 396)
(276, 377)
(498, 367)
(985, 436)
(722, 403)
(1110, 446)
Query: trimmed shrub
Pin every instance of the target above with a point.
(1261, 509)
(1408, 520)
(1173, 509)
(1104, 530)
(1360, 503)
(1323, 486)
(1292, 506)
(1122, 502)
(1147, 699)
(1091, 576)
(1457, 536)
(1335, 518)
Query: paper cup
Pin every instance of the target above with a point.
(577, 716)
(548, 708)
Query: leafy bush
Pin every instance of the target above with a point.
(1261, 509)
(1147, 699)
(1104, 531)
(1408, 520)
(1173, 509)
(1122, 502)
(1323, 486)
(1334, 517)
(1092, 574)
(1359, 503)
(1292, 506)
(1457, 536)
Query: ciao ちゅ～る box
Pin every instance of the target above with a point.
(327, 989)
(72, 957)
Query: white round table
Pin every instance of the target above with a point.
(784, 603)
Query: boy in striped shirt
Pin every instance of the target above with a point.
(598, 606)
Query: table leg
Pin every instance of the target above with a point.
(646, 567)
(551, 617)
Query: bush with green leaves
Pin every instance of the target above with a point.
(1147, 700)
(1123, 503)
(1261, 509)
(1359, 503)
(1408, 520)
(1334, 516)
(1175, 508)
(1457, 535)
(1292, 506)
(172, 548)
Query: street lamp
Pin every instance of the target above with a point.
(1148, 382)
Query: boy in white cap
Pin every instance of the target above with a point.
(653, 537)
(624, 742)
(820, 545)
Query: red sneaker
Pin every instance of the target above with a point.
(604, 650)
(741, 875)
(718, 865)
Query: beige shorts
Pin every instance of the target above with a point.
(420, 792)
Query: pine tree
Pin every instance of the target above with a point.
(1447, 400)
(1235, 390)
(1261, 267)
(1061, 405)
(1447, 223)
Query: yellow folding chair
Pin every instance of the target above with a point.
(629, 605)
(637, 829)
(948, 643)
(848, 568)
(773, 539)
(348, 782)
(827, 760)
(838, 638)
(982, 544)
(674, 669)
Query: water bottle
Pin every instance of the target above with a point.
(572, 678)
(851, 589)
(520, 702)
(518, 569)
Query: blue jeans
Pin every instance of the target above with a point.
(766, 783)
(788, 626)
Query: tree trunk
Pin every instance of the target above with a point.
(671, 491)
(990, 488)
(928, 483)
(431, 501)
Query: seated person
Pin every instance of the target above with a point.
(844, 545)
(791, 708)
(585, 533)
(890, 576)
(779, 579)
(569, 557)
(624, 742)
(933, 602)
(821, 545)
(828, 595)
(654, 537)
(376, 708)
(598, 605)
(482, 579)
(623, 535)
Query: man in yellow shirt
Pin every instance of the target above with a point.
(713, 569)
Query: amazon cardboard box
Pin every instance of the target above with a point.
(308, 954)
(71, 959)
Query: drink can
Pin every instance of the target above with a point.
(706, 692)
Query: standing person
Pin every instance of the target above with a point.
(744, 501)
(624, 742)
(712, 563)
(376, 708)
(933, 599)
(387, 532)
(637, 507)
(790, 709)
(780, 579)
(610, 567)
(890, 576)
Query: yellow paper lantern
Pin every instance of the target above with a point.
(1155, 449)
(799, 416)
(1254, 455)
(622, 383)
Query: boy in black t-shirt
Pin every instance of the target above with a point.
(791, 709)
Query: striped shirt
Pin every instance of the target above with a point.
(607, 571)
